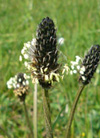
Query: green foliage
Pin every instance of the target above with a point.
(78, 21)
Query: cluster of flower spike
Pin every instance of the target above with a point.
(20, 85)
(43, 55)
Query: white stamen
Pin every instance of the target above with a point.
(72, 66)
(24, 83)
(27, 45)
(19, 80)
(22, 51)
(26, 64)
(45, 69)
(27, 82)
(83, 78)
(20, 58)
(61, 41)
(18, 85)
(74, 63)
(9, 86)
(71, 72)
(81, 72)
(74, 71)
(78, 59)
(33, 42)
(82, 69)
(26, 56)
(14, 85)
(63, 71)
(46, 78)
(41, 70)
(78, 67)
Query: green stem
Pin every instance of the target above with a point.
(4, 132)
(35, 111)
(27, 119)
(47, 114)
(73, 110)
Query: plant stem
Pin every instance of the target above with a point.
(73, 110)
(4, 131)
(47, 114)
(35, 111)
(27, 119)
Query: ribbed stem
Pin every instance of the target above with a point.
(27, 119)
(47, 114)
(35, 111)
(73, 110)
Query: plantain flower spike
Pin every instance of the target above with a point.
(44, 54)
(20, 84)
(22, 87)
(90, 64)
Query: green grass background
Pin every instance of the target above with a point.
(78, 21)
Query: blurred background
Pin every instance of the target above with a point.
(78, 22)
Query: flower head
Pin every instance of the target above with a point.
(44, 54)
(20, 85)
(89, 65)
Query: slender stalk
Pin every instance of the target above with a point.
(73, 110)
(27, 119)
(35, 110)
(47, 114)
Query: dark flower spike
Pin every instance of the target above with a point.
(45, 54)
(89, 65)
